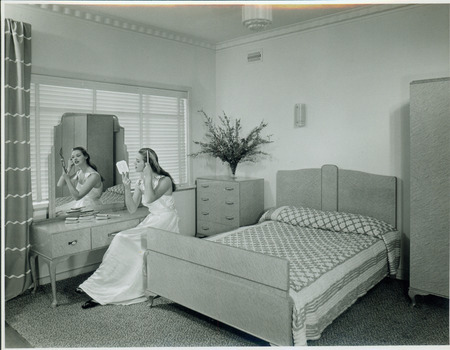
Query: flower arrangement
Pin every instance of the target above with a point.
(224, 141)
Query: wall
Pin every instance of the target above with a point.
(353, 78)
(74, 48)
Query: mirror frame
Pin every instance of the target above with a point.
(119, 153)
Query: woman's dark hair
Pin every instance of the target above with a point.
(88, 159)
(155, 167)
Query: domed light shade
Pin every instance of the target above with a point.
(256, 17)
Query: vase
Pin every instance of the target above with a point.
(233, 170)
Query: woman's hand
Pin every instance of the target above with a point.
(65, 177)
(132, 200)
(148, 171)
(66, 172)
(69, 167)
(126, 181)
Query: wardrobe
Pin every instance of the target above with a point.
(429, 187)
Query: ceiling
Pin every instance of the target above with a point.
(213, 23)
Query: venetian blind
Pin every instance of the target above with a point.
(151, 117)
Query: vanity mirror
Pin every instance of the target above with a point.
(103, 138)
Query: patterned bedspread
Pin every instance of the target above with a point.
(333, 259)
(108, 197)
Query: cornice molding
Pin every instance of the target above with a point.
(354, 14)
(123, 24)
(120, 23)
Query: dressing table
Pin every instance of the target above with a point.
(54, 240)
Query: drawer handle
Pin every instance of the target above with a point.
(112, 234)
(229, 217)
(205, 199)
(73, 242)
(205, 186)
(229, 203)
(205, 228)
(205, 213)
(229, 188)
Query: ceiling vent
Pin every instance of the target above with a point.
(255, 56)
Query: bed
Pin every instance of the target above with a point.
(330, 238)
(112, 196)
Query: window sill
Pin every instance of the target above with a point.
(40, 205)
(185, 187)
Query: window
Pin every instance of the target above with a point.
(151, 117)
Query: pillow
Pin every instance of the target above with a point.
(119, 189)
(332, 220)
(268, 215)
(110, 197)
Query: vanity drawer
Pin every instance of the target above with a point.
(103, 235)
(71, 242)
(208, 228)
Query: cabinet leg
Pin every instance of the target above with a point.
(412, 295)
(52, 268)
(151, 297)
(33, 258)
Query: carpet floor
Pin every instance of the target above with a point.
(383, 316)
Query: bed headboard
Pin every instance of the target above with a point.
(332, 189)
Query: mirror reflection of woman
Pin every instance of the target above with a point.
(85, 185)
(120, 278)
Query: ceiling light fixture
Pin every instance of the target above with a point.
(256, 17)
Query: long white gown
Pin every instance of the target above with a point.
(120, 277)
(92, 198)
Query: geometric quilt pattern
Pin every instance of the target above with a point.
(310, 252)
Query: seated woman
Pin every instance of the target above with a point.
(86, 185)
(120, 277)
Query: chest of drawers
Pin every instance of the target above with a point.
(225, 203)
(54, 241)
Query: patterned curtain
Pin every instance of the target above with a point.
(17, 196)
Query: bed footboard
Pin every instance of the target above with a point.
(243, 289)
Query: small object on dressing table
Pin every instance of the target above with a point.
(72, 220)
(109, 215)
